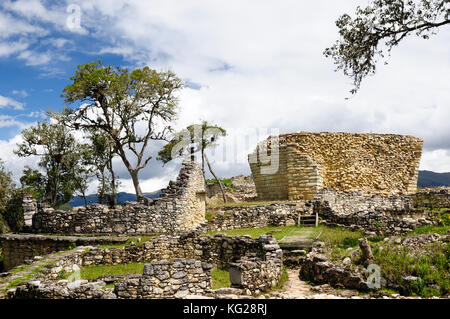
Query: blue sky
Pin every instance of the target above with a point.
(249, 65)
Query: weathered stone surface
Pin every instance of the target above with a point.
(20, 247)
(305, 162)
(177, 269)
(180, 207)
(435, 197)
(371, 215)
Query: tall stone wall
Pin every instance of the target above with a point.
(383, 164)
(180, 207)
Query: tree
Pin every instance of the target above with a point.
(33, 182)
(194, 138)
(10, 201)
(379, 27)
(102, 153)
(59, 153)
(132, 108)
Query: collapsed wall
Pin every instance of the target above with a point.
(371, 164)
(180, 207)
(377, 214)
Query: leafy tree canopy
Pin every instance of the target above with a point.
(379, 27)
(132, 108)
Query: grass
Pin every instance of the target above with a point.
(240, 204)
(338, 237)
(127, 243)
(95, 271)
(430, 264)
(226, 181)
(220, 279)
(443, 216)
(284, 278)
(257, 232)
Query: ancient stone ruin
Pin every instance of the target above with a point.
(304, 163)
(180, 207)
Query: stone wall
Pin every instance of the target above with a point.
(168, 279)
(29, 208)
(199, 254)
(383, 164)
(19, 248)
(377, 214)
(255, 274)
(435, 197)
(277, 214)
(180, 207)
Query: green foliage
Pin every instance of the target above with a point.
(33, 182)
(61, 157)
(431, 265)
(220, 279)
(227, 182)
(123, 102)
(378, 28)
(202, 135)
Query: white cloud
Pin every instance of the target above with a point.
(10, 26)
(8, 102)
(7, 49)
(437, 161)
(21, 93)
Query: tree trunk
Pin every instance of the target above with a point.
(137, 187)
(218, 180)
(113, 184)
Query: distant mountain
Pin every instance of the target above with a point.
(121, 198)
(431, 179)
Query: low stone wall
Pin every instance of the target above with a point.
(255, 274)
(168, 279)
(180, 207)
(436, 197)
(316, 268)
(235, 217)
(219, 251)
(371, 215)
(17, 248)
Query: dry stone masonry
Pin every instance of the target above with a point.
(377, 214)
(18, 248)
(178, 266)
(180, 207)
(436, 197)
(29, 208)
(383, 164)
(277, 214)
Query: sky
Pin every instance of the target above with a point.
(254, 67)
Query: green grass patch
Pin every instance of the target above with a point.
(226, 182)
(284, 278)
(339, 237)
(220, 279)
(127, 243)
(95, 271)
(257, 232)
(245, 204)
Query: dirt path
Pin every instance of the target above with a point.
(295, 288)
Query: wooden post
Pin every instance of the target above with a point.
(317, 219)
